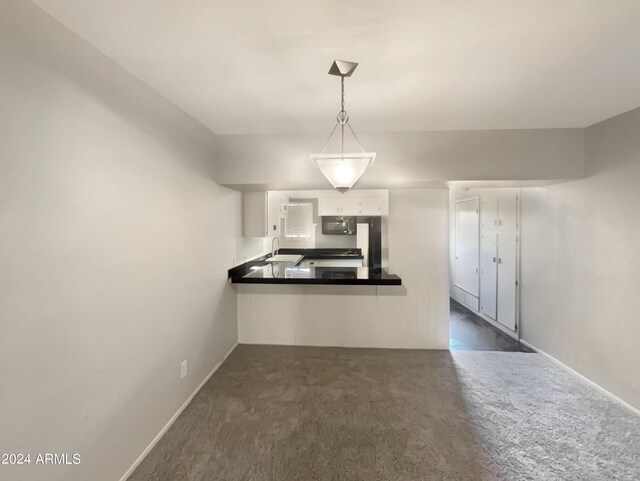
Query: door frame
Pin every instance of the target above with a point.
(454, 230)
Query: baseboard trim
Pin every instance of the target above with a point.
(338, 346)
(166, 427)
(584, 379)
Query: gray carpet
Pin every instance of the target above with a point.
(536, 421)
(291, 413)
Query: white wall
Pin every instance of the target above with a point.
(581, 262)
(407, 159)
(414, 315)
(113, 258)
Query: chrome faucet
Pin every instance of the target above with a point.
(274, 252)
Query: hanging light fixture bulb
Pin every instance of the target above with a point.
(344, 169)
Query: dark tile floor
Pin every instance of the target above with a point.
(469, 332)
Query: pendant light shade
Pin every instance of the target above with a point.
(342, 169)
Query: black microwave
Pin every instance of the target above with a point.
(340, 225)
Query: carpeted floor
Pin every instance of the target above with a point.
(299, 413)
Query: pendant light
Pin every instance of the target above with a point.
(342, 169)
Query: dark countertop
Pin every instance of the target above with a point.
(258, 271)
(324, 253)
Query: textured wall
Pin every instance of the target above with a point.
(115, 244)
(581, 262)
(408, 159)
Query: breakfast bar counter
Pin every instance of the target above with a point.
(312, 266)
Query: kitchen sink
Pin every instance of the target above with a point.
(295, 258)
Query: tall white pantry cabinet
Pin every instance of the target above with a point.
(498, 260)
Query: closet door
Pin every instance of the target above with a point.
(488, 273)
(507, 271)
(466, 245)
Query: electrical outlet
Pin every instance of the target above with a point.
(183, 369)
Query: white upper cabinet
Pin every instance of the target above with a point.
(489, 212)
(507, 211)
(349, 206)
(369, 207)
(262, 213)
(499, 211)
(330, 206)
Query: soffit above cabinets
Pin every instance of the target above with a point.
(260, 67)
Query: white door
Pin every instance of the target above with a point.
(466, 246)
(507, 271)
(507, 210)
(488, 273)
(489, 212)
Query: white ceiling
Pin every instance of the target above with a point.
(257, 66)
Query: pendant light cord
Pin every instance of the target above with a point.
(343, 114)
(342, 97)
(342, 120)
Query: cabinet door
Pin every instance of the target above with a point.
(489, 212)
(466, 246)
(255, 214)
(489, 273)
(273, 216)
(349, 206)
(508, 211)
(369, 207)
(329, 207)
(507, 271)
(284, 204)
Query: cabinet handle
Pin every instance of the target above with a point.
(500, 222)
(499, 260)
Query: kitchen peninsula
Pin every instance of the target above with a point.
(312, 266)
